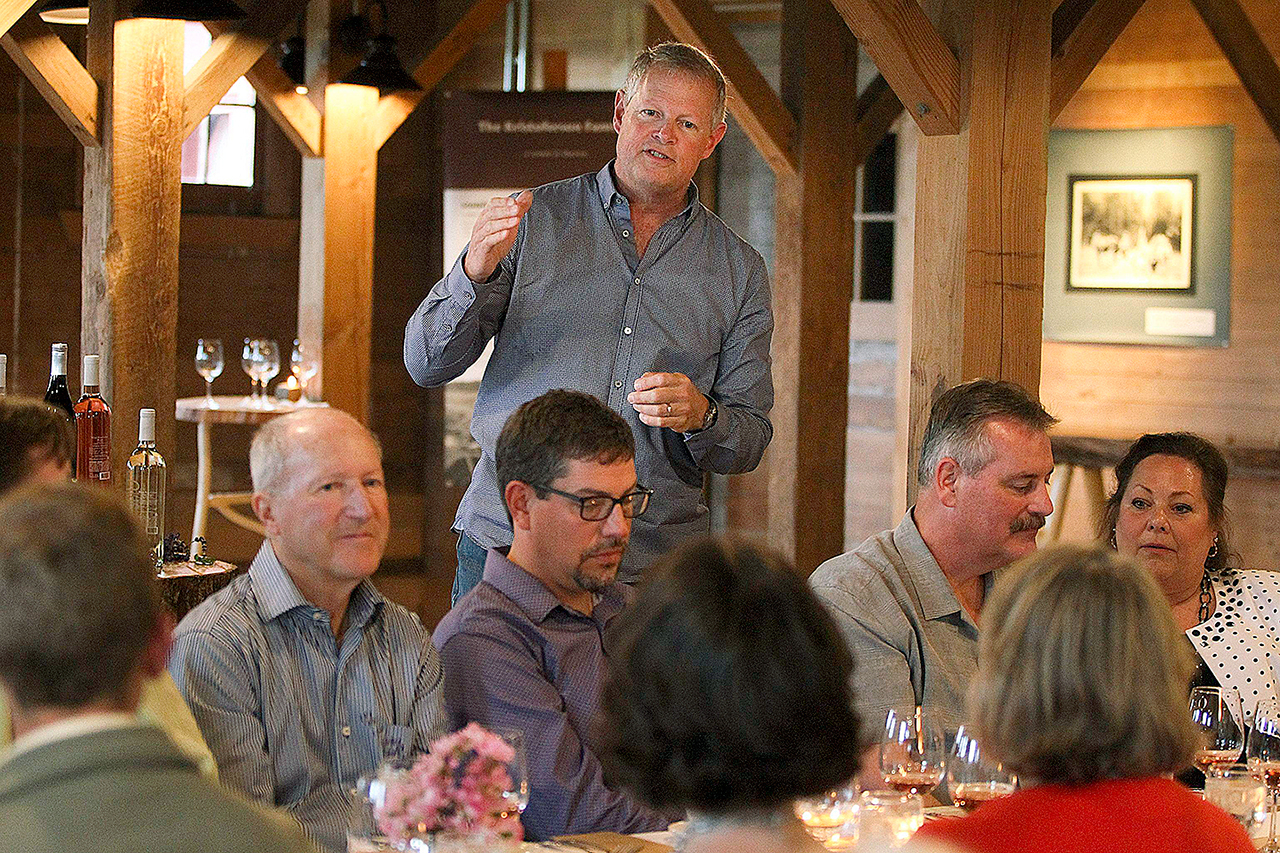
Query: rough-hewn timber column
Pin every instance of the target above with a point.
(812, 285)
(980, 208)
(132, 205)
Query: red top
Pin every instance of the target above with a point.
(1150, 815)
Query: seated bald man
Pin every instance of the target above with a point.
(300, 674)
(36, 447)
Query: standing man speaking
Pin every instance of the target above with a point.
(622, 285)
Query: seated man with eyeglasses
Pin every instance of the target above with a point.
(525, 650)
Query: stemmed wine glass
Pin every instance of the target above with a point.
(912, 752)
(209, 365)
(249, 361)
(1221, 740)
(1264, 761)
(517, 792)
(973, 779)
(304, 366)
(269, 365)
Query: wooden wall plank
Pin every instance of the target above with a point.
(395, 107)
(350, 188)
(233, 52)
(1247, 53)
(1078, 53)
(752, 101)
(813, 284)
(11, 11)
(56, 74)
(918, 64)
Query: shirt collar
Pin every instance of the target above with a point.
(80, 724)
(536, 600)
(608, 190)
(933, 590)
(277, 594)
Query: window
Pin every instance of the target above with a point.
(220, 149)
(873, 223)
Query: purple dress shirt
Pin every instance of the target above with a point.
(516, 658)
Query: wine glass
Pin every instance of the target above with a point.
(888, 818)
(1238, 791)
(517, 792)
(249, 362)
(304, 366)
(209, 365)
(912, 752)
(1221, 740)
(1264, 760)
(973, 779)
(269, 365)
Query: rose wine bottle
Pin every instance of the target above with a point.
(93, 429)
(58, 395)
(147, 484)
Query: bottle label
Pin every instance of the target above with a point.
(100, 457)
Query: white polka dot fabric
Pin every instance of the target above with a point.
(1240, 642)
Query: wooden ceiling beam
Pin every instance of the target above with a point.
(907, 49)
(56, 74)
(877, 109)
(754, 104)
(393, 109)
(234, 51)
(1247, 53)
(1081, 37)
(11, 11)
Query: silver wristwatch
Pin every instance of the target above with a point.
(710, 417)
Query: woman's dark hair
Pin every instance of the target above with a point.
(729, 686)
(1213, 480)
(28, 426)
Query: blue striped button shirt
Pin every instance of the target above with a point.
(292, 717)
(572, 305)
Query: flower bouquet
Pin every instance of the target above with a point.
(462, 789)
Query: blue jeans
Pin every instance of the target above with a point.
(471, 559)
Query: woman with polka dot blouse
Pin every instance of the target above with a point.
(1167, 513)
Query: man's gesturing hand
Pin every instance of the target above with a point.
(669, 400)
(493, 234)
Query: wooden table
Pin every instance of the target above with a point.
(184, 585)
(225, 410)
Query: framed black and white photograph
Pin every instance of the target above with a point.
(1131, 233)
(1138, 236)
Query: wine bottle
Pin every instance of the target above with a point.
(57, 394)
(147, 484)
(93, 429)
(4, 374)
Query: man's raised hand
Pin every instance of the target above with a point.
(492, 235)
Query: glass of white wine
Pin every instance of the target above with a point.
(209, 365)
(250, 361)
(304, 366)
(1264, 761)
(269, 365)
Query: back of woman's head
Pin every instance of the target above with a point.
(728, 686)
(1082, 673)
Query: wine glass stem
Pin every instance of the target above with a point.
(208, 390)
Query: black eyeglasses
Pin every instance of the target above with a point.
(598, 507)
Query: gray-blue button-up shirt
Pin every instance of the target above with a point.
(292, 717)
(573, 306)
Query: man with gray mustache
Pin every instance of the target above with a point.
(908, 600)
(527, 647)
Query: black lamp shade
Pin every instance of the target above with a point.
(188, 10)
(64, 11)
(293, 59)
(381, 68)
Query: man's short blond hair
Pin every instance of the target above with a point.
(680, 58)
(1082, 672)
(278, 439)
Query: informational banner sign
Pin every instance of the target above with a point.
(498, 143)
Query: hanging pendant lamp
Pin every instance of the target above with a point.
(187, 10)
(380, 67)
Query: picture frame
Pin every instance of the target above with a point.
(1131, 232)
(1134, 255)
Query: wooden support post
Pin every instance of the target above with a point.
(1247, 53)
(980, 208)
(350, 189)
(812, 287)
(1080, 38)
(56, 74)
(132, 204)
